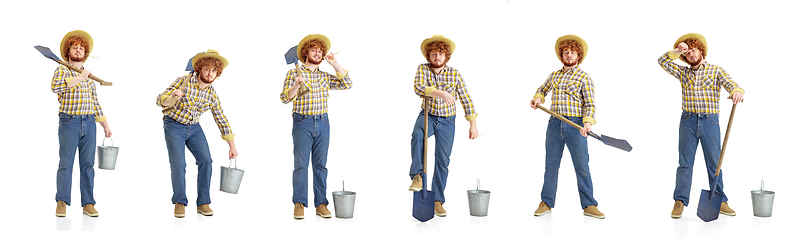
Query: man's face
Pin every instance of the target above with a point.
(77, 53)
(207, 74)
(437, 59)
(693, 56)
(569, 57)
(314, 55)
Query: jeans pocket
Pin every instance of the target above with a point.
(451, 119)
(713, 119)
(685, 116)
(298, 120)
(65, 119)
(326, 120)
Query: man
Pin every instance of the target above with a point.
(572, 98)
(444, 85)
(311, 128)
(78, 109)
(181, 128)
(701, 83)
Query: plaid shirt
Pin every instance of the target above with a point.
(700, 87)
(194, 102)
(315, 102)
(572, 94)
(80, 99)
(448, 80)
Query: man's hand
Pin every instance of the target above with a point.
(447, 98)
(107, 129)
(737, 97)
(233, 152)
(177, 93)
(330, 58)
(584, 130)
(681, 48)
(534, 103)
(473, 133)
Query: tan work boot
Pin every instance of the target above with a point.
(417, 183)
(60, 209)
(543, 208)
(726, 210)
(593, 211)
(205, 209)
(322, 211)
(89, 210)
(439, 209)
(299, 211)
(180, 210)
(678, 207)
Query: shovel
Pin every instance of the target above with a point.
(423, 200)
(290, 57)
(709, 205)
(49, 54)
(613, 142)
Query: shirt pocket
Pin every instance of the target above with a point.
(702, 82)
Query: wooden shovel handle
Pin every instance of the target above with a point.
(565, 120)
(92, 77)
(303, 90)
(725, 139)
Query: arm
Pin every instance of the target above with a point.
(99, 116)
(291, 86)
(172, 92)
(540, 94)
(423, 90)
(61, 83)
(221, 120)
(732, 87)
(666, 61)
(588, 95)
(341, 80)
(468, 105)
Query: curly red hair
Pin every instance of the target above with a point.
(211, 62)
(694, 43)
(76, 40)
(437, 46)
(311, 44)
(573, 45)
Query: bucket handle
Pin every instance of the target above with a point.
(231, 163)
(343, 186)
(762, 186)
(477, 185)
(112, 142)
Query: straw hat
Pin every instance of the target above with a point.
(435, 38)
(80, 33)
(307, 39)
(695, 36)
(578, 40)
(210, 53)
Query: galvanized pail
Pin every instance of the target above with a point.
(106, 155)
(344, 203)
(478, 201)
(763, 201)
(231, 178)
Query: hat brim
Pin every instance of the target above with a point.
(212, 54)
(80, 33)
(436, 38)
(695, 36)
(578, 40)
(307, 39)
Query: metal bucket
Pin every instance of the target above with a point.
(344, 203)
(478, 201)
(763, 201)
(106, 155)
(231, 178)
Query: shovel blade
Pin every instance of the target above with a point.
(709, 204)
(423, 202)
(290, 56)
(46, 52)
(617, 143)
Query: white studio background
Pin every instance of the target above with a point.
(504, 50)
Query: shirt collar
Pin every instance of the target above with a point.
(573, 69)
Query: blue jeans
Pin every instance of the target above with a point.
(311, 135)
(443, 129)
(558, 135)
(76, 131)
(178, 137)
(693, 128)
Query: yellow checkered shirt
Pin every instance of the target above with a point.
(448, 80)
(700, 87)
(80, 99)
(315, 102)
(194, 102)
(572, 94)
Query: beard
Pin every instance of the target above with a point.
(205, 80)
(77, 59)
(569, 64)
(696, 62)
(434, 65)
(313, 61)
